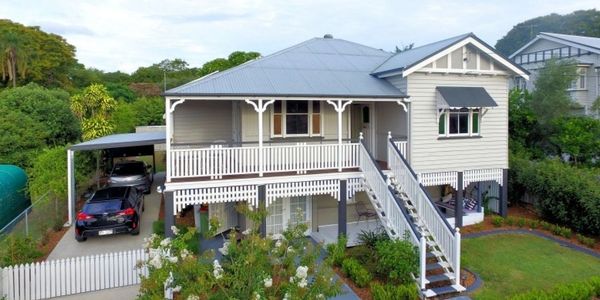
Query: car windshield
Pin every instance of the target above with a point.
(128, 169)
(97, 208)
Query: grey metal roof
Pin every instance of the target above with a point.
(123, 140)
(317, 67)
(593, 42)
(459, 96)
(408, 58)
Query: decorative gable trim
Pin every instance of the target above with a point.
(476, 43)
(556, 40)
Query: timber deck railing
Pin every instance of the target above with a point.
(218, 160)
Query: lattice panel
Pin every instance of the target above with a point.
(439, 178)
(478, 175)
(183, 198)
(303, 188)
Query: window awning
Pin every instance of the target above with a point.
(459, 96)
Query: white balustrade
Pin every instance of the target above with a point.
(446, 238)
(375, 180)
(218, 161)
(401, 145)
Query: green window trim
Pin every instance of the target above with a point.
(442, 124)
(475, 123)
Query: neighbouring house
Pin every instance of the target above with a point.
(582, 49)
(347, 137)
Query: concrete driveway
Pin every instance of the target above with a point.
(69, 247)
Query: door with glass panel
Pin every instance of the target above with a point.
(284, 212)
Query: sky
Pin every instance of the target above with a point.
(123, 35)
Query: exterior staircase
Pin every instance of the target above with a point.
(403, 216)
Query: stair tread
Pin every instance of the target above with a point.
(437, 265)
(439, 277)
(443, 290)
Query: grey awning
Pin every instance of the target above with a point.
(123, 140)
(459, 96)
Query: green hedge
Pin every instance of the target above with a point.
(355, 270)
(566, 195)
(394, 292)
(585, 290)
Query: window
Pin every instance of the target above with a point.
(579, 83)
(296, 118)
(459, 122)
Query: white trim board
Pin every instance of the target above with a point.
(470, 40)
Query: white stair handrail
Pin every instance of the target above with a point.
(447, 238)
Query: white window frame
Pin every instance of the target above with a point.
(580, 83)
(284, 133)
(446, 113)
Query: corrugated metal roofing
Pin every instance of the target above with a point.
(593, 42)
(123, 140)
(408, 58)
(317, 67)
(458, 96)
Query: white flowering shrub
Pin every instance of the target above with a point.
(285, 267)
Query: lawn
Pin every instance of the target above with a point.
(514, 263)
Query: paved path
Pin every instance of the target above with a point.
(123, 293)
(69, 247)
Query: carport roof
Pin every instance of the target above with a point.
(123, 140)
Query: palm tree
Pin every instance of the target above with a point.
(13, 56)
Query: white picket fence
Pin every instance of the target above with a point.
(74, 275)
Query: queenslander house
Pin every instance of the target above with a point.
(346, 137)
(583, 50)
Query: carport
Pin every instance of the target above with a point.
(117, 145)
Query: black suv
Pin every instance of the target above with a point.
(110, 210)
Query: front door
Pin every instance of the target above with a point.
(362, 121)
(284, 212)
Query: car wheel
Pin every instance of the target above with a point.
(80, 238)
(136, 231)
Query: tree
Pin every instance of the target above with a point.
(579, 137)
(404, 48)
(142, 112)
(581, 22)
(93, 107)
(49, 108)
(21, 137)
(34, 55)
(550, 99)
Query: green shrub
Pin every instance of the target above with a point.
(337, 251)
(566, 195)
(394, 292)
(364, 254)
(534, 224)
(16, 249)
(545, 225)
(497, 221)
(521, 222)
(510, 221)
(359, 274)
(585, 290)
(397, 260)
(158, 227)
(370, 238)
(562, 231)
(589, 242)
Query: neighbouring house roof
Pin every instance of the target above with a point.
(408, 58)
(458, 96)
(319, 67)
(123, 140)
(405, 60)
(584, 42)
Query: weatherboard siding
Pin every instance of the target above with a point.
(328, 117)
(428, 153)
(202, 121)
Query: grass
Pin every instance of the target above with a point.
(514, 263)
